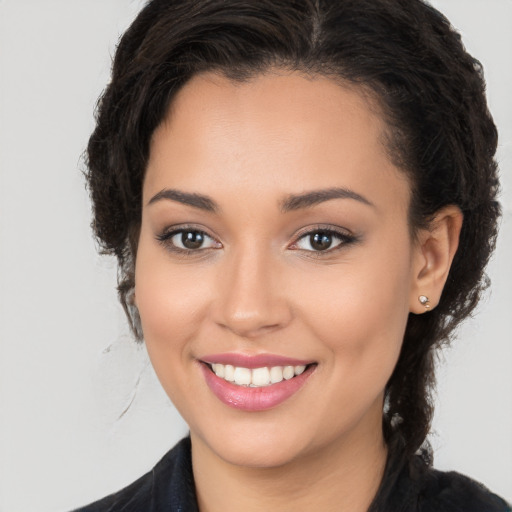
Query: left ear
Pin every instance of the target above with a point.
(435, 248)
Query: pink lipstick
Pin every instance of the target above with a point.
(254, 361)
(254, 383)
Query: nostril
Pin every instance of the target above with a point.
(249, 301)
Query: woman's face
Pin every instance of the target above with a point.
(274, 236)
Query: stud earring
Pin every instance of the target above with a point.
(424, 301)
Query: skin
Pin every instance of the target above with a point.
(257, 286)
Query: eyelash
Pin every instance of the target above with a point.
(165, 239)
(344, 238)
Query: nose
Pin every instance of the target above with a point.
(252, 295)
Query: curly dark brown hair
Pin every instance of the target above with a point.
(404, 51)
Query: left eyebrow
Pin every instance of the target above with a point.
(308, 199)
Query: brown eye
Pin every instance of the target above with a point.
(320, 241)
(192, 239)
(323, 240)
(188, 240)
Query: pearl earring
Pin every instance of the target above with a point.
(424, 301)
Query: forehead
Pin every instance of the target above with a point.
(271, 103)
(284, 128)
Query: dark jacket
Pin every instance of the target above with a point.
(169, 487)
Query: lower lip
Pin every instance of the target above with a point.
(254, 399)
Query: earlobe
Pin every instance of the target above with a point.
(435, 250)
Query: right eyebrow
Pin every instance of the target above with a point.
(314, 197)
(195, 200)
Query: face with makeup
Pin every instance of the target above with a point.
(275, 251)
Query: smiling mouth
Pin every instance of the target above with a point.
(256, 377)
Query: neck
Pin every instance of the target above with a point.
(343, 476)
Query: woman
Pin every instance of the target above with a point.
(302, 200)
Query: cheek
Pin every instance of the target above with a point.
(361, 326)
(360, 311)
(171, 299)
(171, 305)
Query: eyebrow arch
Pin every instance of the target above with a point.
(196, 200)
(308, 199)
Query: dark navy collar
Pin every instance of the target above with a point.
(407, 486)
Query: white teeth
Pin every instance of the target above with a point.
(219, 370)
(258, 377)
(242, 376)
(229, 372)
(299, 370)
(276, 374)
(288, 372)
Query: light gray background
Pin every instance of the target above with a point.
(68, 368)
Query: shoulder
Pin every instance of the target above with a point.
(438, 491)
(168, 486)
(412, 485)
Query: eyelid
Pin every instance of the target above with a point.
(346, 237)
(165, 236)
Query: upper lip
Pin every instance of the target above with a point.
(253, 361)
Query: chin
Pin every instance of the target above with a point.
(259, 453)
(252, 443)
